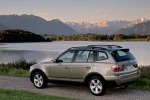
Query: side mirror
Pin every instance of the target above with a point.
(54, 61)
(57, 61)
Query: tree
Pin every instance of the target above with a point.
(148, 38)
(118, 37)
(20, 36)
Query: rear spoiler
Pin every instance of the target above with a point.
(125, 50)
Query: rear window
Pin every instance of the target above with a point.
(122, 55)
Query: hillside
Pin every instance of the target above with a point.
(20, 36)
(141, 28)
(58, 27)
(35, 24)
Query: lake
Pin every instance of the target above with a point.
(45, 51)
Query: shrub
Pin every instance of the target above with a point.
(19, 64)
(145, 71)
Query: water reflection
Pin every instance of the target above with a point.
(13, 55)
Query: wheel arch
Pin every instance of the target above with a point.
(90, 75)
(34, 71)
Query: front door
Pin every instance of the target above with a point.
(61, 69)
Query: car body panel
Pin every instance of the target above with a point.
(44, 67)
(59, 70)
(80, 70)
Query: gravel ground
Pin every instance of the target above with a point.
(79, 92)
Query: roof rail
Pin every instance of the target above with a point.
(103, 47)
(109, 46)
(77, 47)
(92, 47)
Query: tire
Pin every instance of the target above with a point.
(97, 86)
(39, 80)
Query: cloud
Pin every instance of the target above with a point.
(100, 10)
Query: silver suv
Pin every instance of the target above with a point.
(99, 66)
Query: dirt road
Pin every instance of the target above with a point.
(79, 92)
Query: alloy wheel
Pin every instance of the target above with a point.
(38, 80)
(95, 86)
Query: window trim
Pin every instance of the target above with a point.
(89, 56)
(96, 58)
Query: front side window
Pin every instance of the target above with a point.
(67, 56)
(101, 56)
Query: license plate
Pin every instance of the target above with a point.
(129, 67)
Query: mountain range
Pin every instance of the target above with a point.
(35, 24)
(104, 27)
(141, 28)
(39, 25)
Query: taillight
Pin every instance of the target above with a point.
(116, 68)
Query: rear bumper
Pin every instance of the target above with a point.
(126, 78)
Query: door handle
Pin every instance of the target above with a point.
(88, 67)
(66, 67)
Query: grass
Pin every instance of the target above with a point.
(14, 72)
(143, 82)
(22, 95)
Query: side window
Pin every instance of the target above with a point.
(67, 56)
(82, 56)
(101, 56)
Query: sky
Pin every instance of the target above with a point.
(79, 10)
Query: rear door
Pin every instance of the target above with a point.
(82, 64)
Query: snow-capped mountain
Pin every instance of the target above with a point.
(134, 22)
(140, 28)
(104, 27)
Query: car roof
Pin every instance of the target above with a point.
(98, 47)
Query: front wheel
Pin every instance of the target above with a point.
(97, 86)
(39, 80)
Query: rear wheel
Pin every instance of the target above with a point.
(97, 86)
(39, 80)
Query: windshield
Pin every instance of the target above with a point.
(122, 55)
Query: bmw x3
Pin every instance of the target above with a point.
(99, 66)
